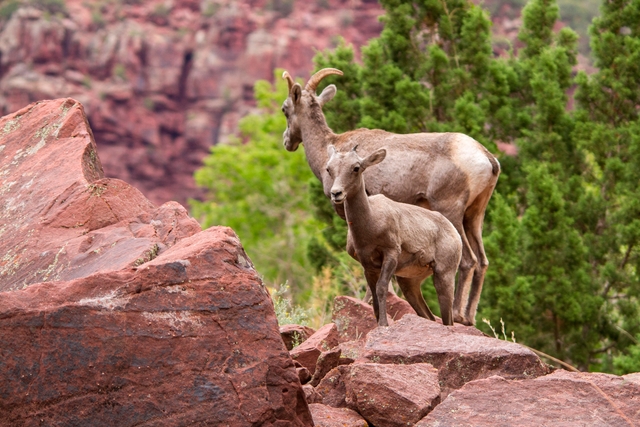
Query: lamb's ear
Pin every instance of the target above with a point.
(327, 94)
(374, 158)
(331, 150)
(296, 93)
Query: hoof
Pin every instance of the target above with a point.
(459, 319)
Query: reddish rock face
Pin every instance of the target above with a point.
(332, 388)
(460, 353)
(107, 332)
(163, 82)
(354, 318)
(326, 416)
(308, 352)
(397, 307)
(392, 395)
(62, 219)
(326, 362)
(295, 334)
(559, 399)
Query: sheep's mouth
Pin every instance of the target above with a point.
(338, 201)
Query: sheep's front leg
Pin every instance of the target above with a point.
(389, 265)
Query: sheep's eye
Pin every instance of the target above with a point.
(328, 171)
(356, 169)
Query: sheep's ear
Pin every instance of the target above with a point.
(331, 150)
(374, 158)
(327, 94)
(296, 93)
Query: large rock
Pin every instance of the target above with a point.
(559, 399)
(332, 388)
(107, 333)
(327, 416)
(398, 307)
(62, 219)
(308, 352)
(460, 353)
(327, 361)
(294, 335)
(392, 395)
(354, 318)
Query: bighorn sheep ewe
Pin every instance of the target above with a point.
(389, 238)
(450, 173)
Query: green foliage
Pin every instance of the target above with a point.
(53, 7)
(50, 7)
(286, 312)
(283, 7)
(8, 8)
(259, 191)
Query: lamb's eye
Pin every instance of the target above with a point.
(328, 171)
(356, 169)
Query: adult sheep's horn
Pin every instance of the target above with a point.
(313, 82)
(289, 79)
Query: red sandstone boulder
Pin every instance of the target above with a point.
(326, 362)
(559, 399)
(294, 335)
(460, 353)
(392, 395)
(62, 219)
(354, 318)
(385, 395)
(130, 315)
(311, 395)
(351, 351)
(332, 387)
(308, 352)
(397, 307)
(326, 416)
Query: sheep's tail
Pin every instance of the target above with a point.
(495, 165)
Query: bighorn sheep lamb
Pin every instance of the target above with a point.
(389, 238)
(450, 173)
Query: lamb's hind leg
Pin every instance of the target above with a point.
(411, 291)
(445, 282)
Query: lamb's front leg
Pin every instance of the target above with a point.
(372, 276)
(389, 264)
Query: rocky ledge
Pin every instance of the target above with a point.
(116, 312)
(419, 372)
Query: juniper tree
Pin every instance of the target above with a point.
(608, 132)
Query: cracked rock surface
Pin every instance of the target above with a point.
(117, 312)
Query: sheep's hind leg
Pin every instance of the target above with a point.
(411, 290)
(473, 227)
(468, 262)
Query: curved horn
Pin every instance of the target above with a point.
(289, 79)
(313, 82)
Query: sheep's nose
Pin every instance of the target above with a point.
(336, 195)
